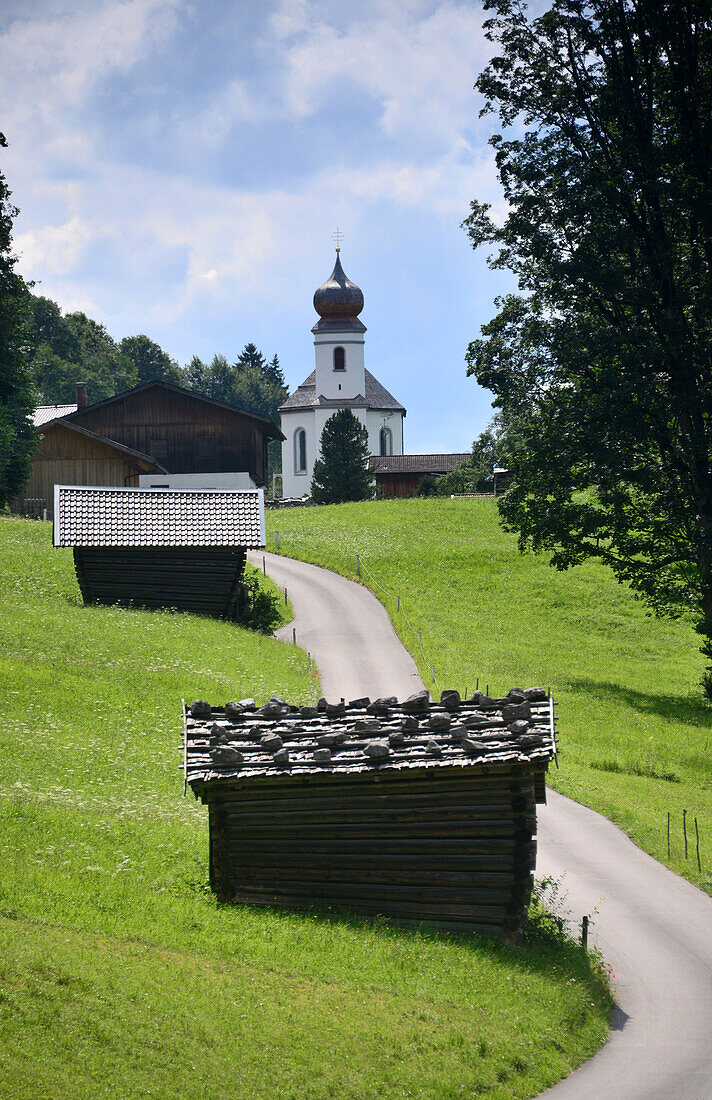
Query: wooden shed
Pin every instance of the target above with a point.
(72, 455)
(416, 810)
(400, 475)
(182, 549)
(184, 431)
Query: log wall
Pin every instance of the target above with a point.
(455, 850)
(206, 581)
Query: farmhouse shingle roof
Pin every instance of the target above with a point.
(376, 396)
(241, 741)
(420, 464)
(101, 517)
(44, 413)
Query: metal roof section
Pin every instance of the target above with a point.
(103, 516)
(376, 396)
(44, 413)
(240, 741)
(416, 464)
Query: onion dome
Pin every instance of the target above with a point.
(338, 299)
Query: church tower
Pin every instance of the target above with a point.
(339, 380)
(339, 337)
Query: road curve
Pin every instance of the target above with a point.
(654, 928)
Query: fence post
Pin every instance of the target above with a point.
(584, 932)
(285, 596)
(264, 566)
(358, 566)
(294, 635)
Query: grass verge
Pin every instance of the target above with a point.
(635, 731)
(120, 975)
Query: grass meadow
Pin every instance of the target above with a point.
(120, 975)
(635, 732)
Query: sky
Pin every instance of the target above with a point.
(181, 167)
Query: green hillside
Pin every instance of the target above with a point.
(635, 732)
(120, 975)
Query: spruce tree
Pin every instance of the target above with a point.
(341, 472)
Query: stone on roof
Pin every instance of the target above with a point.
(421, 464)
(237, 741)
(376, 396)
(44, 413)
(103, 516)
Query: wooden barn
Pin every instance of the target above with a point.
(419, 811)
(184, 431)
(160, 548)
(400, 475)
(70, 454)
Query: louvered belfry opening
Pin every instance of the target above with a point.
(417, 811)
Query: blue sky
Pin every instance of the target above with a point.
(181, 167)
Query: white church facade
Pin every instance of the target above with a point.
(339, 381)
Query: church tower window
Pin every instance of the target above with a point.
(386, 441)
(300, 451)
(339, 359)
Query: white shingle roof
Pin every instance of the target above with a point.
(45, 413)
(99, 516)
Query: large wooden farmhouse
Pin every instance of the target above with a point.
(154, 428)
(184, 431)
(160, 548)
(414, 810)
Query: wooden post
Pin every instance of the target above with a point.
(684, 829)
(398, 603)
(285, 596)
(358, 566)
(697, 840)
(308, 661)
(668, 834)
(294, 635)
(264, 566)
(584, 932)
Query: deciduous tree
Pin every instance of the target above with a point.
(606, 354)
(17, 436)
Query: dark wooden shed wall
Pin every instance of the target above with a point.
(206, 581)
(186, 434)
(456, 849)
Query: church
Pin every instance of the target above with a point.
(339, 381)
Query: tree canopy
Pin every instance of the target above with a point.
(605, 355)
(17, 436)
(341, 472)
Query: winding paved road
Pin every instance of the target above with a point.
(654, 928)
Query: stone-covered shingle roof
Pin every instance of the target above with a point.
(44, 413)
(241, 741)
(416, 464)
(100, 517)
(376, 396)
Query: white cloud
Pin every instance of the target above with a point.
(54, 249)
(419, 68)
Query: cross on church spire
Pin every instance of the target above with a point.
(338, 237)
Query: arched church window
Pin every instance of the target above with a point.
(339, 359)
(300, 451)
(386, 441)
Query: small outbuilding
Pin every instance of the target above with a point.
(418, 811)
(400, 475)
(182, 549)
